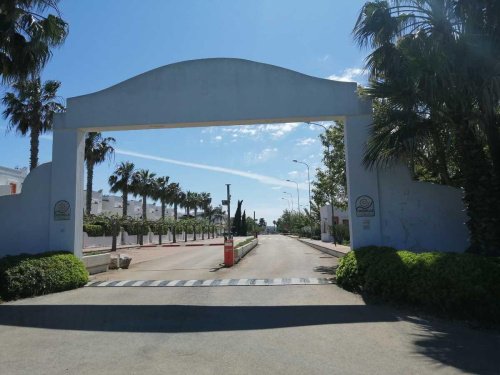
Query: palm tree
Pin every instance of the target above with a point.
(205, 200)
(31, 109)
(162, 193)
(176, 198)
(120, 180)
(189, 202)
(97, 150)
(27, 34)
(144, 185)
(434, 70)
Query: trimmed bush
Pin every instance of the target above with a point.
(29, 275)
(245, 242)
(463, 286)
(93, 230)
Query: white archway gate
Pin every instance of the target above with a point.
(213, 92)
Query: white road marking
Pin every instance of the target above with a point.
(212, 282)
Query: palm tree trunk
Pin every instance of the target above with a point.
(174, 226)
(124, 203)
(90, 176)
(194, 232)
(480, 192)
(34, 142)
(144, 208)
(163, 220)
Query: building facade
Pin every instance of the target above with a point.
(339, 217)
(11, 180)
(113, 205)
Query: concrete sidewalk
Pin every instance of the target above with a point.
(149, 252)
(327, 247)
(180, 242)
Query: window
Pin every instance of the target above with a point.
(345, 222)
(336, 219)
(13, 188)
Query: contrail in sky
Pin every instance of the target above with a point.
(268, 180)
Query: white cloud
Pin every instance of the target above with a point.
(263, 156)
(306, 142)
(218, 138)
(324, 58)
(350, 75)
(276, 187)
(293, 173)
(274, 130)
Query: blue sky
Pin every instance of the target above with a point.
(113, 40)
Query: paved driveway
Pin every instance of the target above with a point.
(306, 329)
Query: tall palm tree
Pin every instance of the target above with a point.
(434, 66)
(205, 201)
(28, 31)
(120, 180)
(97, 150)
(162, 193)
(144, 185)
(176, 198)
(31, 109)
(190, 202)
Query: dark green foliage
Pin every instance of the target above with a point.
(243, 227)
(341, 233)
(136, 227)
(32, 275)
(237, 219)
(93, 230)
(463, 286)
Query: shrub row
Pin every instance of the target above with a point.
(245, 242)
(463, 286)
(93, 230)
(29, 275)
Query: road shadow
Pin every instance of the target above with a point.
(454, 344)
(184, 318)
(326, 270)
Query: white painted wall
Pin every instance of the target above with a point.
(420, 215)
(326, 220)
(24, 218)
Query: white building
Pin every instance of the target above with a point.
(11, 180)
(113, 205)
(339, 217)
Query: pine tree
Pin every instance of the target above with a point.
(237, 219)
(244, 229)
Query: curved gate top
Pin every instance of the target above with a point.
(217, 91)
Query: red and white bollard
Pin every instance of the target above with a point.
(228, 252)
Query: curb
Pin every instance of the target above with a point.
(335, 253)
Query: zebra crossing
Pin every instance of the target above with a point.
(212, 282)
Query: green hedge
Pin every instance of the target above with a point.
(93, 230)
(463, 286)
(29, 275)
(136, 228)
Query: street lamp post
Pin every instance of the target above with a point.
(291, 197)
(309, 183)
(328, 149)
(298, 197)
(287, 201)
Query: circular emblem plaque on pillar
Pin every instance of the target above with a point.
(365, 206)
(62, 210)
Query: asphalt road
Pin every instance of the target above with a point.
(275, 256)
(307, 329)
